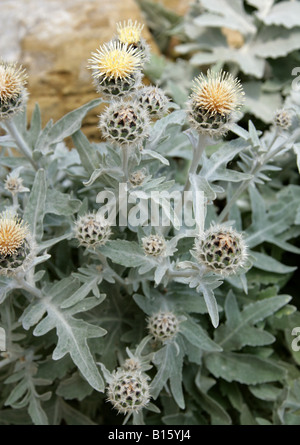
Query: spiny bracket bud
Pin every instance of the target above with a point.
(128, 391)
(137, 178)
(221, 250)
(154, 245)
(163, 326)
(131, 34)
(124, 123)
(92, 230)
(283, 119)
(13, 93)
(116, 69)
(16, 245)
(214, 102)
(154, 100)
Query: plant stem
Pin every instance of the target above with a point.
(125, 158)
(31, 289)
(21, 143)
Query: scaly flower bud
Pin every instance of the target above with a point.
(163, 326)
(221, 249)
(92, 230)
(14, 184)
(16, 245)
(131, 34)
(282, 119)
(128, 391)
(213, 102)
(154, 100)
(116, 69)
(124, 123)
(154, 245)
(13, 93)
(137, 178)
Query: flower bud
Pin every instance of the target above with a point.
(124, 123)
(116, 69)
(137, 178)
(128, 391)
(214, 101)
(163, 326)
(92, 230)
(154, 100)
(16, 245)
(221, 249)
(154, 245)
(13, 93)
(282, 119)
(131, 34)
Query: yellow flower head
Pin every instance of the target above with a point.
(115, 61)
(13, 232)
(129, 33)
(219, 93)
(12, 81)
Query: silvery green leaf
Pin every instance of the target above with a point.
(61, 203)
(238, 331)
(276, 42)
(263, 6)
(267, 226)
(169, 362)
(210, 302)
(35, 126)
(154, 154)
(196, 335)
(226, 13)
(244, 368)
(248, 62)
(259, 103)
(86, 151)
(71, 122)
(158, 130)
(72, 332)
(296, 148)
(265, 262)
(285, 13)
(6, 285)
(128, 254)
(214, 168)
(35, 208)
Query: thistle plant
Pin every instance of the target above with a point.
(149, 278)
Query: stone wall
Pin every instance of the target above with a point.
(53, 39)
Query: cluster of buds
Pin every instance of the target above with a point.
(214, 102)
(221, 249)
(16, 245)
(163, 326)
(13, 94)
(128, 390)
(117, 71)
(92, 230)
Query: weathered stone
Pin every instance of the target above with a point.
(54, 39)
